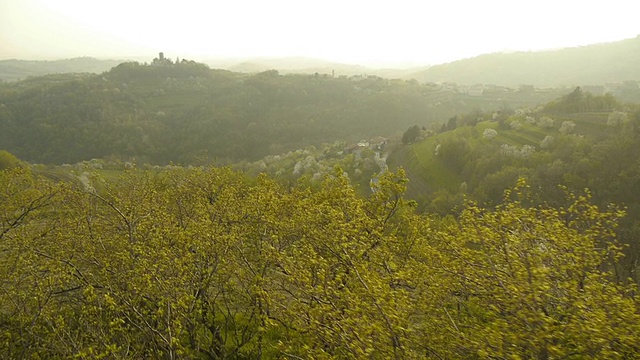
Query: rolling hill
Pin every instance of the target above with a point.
(483, 157)
(588, 65)
(169, 112)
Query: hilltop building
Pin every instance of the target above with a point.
(161, 60)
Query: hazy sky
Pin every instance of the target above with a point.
(375, 33)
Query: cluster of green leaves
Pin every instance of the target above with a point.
(8, 160)
(204, 263)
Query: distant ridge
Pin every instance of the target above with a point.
(14, 69)
(304, 65)
(597, 64)
(587, 65)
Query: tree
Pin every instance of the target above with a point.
(533, 282)
(204, 263)
(489, 133)
(453, 152)
(567, 127)
(8, 160)
(37, 284)
(617, 118)
(547, 142)
(545, 122)
(411, 134)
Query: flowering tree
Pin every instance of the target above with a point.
(489, 133)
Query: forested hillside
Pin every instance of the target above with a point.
(577, 142)
(184, 112)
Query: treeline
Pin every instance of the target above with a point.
(204, 263)
(186, 112)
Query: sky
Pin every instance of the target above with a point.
(370, 33)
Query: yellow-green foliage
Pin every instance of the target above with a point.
(203, 264)
(8, 160)
(529, 282)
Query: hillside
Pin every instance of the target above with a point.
(579, 143)
(560, 143)
(187, 112)
(588, 65)
(13, 70)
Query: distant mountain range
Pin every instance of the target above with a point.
(13, 70)
(587, 65)
(303, 65)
